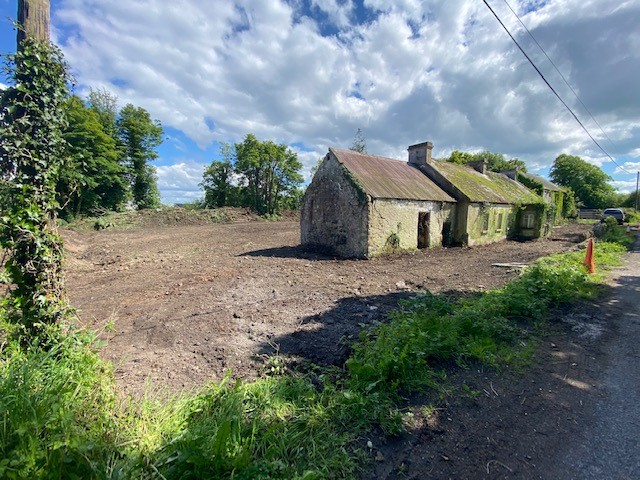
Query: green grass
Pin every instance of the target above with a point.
(60, 416)
(490, 328)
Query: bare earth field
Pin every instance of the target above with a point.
(189, 303)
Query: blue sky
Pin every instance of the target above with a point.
(309, 73)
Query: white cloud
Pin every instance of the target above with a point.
(337, 12)
(629, 167)
(179, 182)
(624, 186)
(309, 160)
(414, 71)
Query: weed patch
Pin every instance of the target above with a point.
(491, 328)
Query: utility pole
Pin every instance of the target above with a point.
(33, 20)
(637, 182)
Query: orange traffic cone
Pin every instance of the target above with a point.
(588, 259)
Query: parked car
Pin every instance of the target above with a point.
(616, 213)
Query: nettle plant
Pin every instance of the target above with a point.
(31, 155)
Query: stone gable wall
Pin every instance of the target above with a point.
(334, 215)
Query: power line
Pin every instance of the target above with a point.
(559, 72)
(553, 90)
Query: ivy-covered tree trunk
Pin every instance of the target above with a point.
(31, 152)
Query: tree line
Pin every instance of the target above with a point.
(107, 156)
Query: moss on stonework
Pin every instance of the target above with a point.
(360, 191)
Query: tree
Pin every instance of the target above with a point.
(105, 105)
(216, 182)
(630, 200)
(461, 158)
(140, 136)
(92, 178)
(359, 143)
(587, 181)
(271, 172)
(31, 153)
(497, 163)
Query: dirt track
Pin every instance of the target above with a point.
(188, 303)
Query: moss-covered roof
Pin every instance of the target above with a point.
(491, 187)
(383, 177)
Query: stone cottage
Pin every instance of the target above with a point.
(361, 205)
(490, 206)
(555, 195)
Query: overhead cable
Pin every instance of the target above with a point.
(553, 90)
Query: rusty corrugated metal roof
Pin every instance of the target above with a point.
(387, 178)
(492, 187)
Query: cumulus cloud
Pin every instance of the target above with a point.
(624, 186)
(337, 12)
(628, 167)
(404, 73)
(179, 182)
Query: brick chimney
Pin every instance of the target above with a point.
(479, 166)
(420, 154)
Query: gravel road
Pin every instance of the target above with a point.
(608, 445)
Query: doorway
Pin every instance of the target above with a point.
(424, 219)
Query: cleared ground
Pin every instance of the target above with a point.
(188, 303)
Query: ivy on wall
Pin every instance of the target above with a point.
(31, 154)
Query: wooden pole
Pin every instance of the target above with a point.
(33, 20)
(637, 182)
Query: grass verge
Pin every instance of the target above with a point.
(61, 418)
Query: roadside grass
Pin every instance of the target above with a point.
(633, 217)
(614, 233)
(493, 328)
(60, 415)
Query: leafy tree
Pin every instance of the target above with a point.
(495, 161)
(459, 157)
(265, 177)
(105, 105)
(140, 136)
(216, 182)
(587, 181)
(630, 200)
(359, 143)
(31, 154)
(93, 177)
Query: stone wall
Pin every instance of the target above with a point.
(393, 224)
(334, 213)
(487, 223)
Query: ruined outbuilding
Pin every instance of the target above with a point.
(361, 205)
